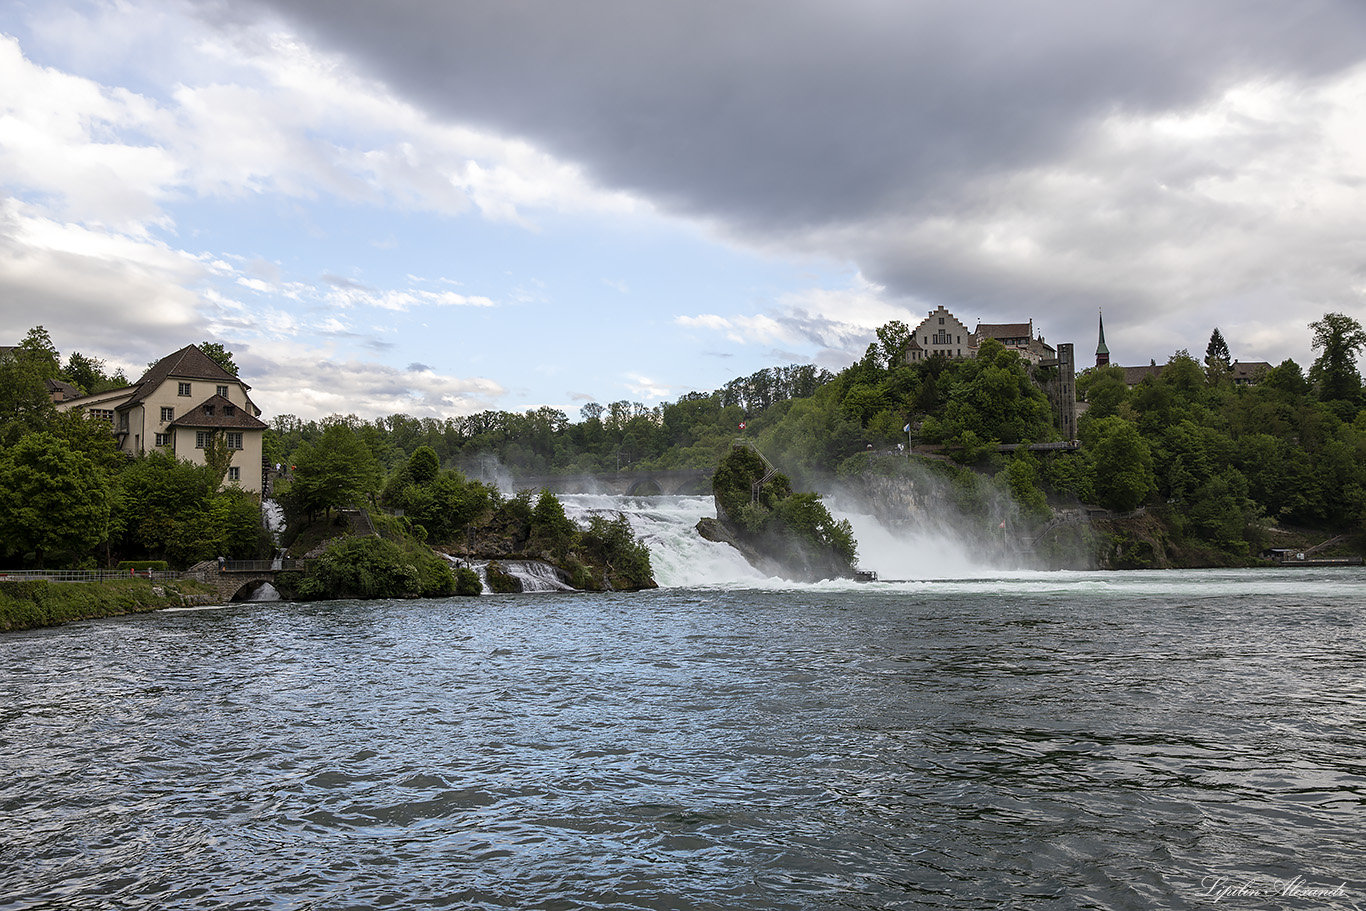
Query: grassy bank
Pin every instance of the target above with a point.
(25, 605)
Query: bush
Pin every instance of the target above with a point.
(372, 567)
(467, 582)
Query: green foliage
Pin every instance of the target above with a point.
(52, 498)
(501, 582)
(613, 544)
(174, 509)
(219, 355)
(795, 528)
(550, 527)
(1334, 373)
(335, 472)
(1021, 477)
(26, 605)
(373, 567)
(25, 406)
(467, 582)
(1123, 464)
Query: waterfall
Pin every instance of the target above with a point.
(273, 515)
(681, 558)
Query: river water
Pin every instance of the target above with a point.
(1068, 740)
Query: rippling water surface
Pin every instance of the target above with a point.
(1042, 741)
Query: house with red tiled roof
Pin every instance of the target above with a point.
(181, 403)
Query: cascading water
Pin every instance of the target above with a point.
(273, 515)
(682, 558)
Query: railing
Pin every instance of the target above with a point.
(86, 575)
(261, 566)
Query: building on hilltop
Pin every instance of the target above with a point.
(179, 405)
(1017, 337)
(941, 334)
(1247, 373)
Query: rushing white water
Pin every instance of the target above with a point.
(266, 592)
(682, 558)
(274, 517)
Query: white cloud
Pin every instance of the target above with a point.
(311, 383)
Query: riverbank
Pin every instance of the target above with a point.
(31, 604)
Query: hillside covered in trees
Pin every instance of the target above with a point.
(1220, 467)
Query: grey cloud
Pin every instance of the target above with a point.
(775, 113)
(895, 134)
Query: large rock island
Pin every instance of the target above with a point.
(779, 531)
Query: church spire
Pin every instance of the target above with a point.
(1102, 352)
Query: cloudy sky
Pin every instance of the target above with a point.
(440, 206)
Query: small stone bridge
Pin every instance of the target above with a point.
(630, 483)
(238, 580)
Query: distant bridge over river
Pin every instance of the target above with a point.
(629, 483)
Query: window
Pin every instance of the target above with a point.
(234, 441)
(229, 410)
(234, 473)
(941, 320)
(101, 414)
(184, 389)
(202, 438)
(167, 414)
(223, 391)
(208, 409)
(163, 439)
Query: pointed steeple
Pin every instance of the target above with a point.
(1102, 352)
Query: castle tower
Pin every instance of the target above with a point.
(1102, 352)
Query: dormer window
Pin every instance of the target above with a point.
(229, 410)
(208, 409)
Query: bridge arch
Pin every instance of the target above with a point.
(645, 487)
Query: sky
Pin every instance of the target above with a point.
(438, 207)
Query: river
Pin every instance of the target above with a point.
(1022, 740)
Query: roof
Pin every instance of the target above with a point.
(1135, 375)
(188, 363)
(240, 419)
(1005, 330)
(61, 391)
(1251, 370)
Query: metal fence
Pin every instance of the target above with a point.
(87, 575)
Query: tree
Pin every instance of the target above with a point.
(1124, 464)
(25, 405)
(219, 355)
(1334, 373)
(218, 456)
(1217, 350)
(895, 338)
(335, 471)
(51, 497)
